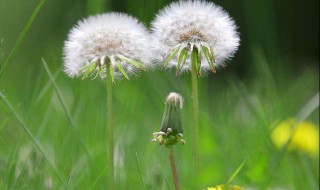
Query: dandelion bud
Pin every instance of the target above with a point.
(171, 125)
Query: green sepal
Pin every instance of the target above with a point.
(213, 57)
(173, 53)
(120, 68)
(208, 57)
(171, 119)
(135, 63)
(91, 67)
(182, 59)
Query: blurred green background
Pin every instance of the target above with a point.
(271, 78)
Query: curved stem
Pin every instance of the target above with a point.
(174, 170)
(195, 102)
(110, 129)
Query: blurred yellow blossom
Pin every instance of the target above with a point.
(305, 136)
(222, 187)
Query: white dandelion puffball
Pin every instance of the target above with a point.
(195, 24)
(112, 38)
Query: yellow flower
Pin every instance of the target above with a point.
(222, 187)
(304, 136)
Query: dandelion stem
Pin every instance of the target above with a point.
(110, 128)
(195, 102)
(174, 170)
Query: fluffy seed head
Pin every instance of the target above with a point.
(112, 38)
(195, 24)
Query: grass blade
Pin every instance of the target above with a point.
(68, 115)
(10, 167)
(21, 37)
(235, 173)
(139, 168)
(30, 135)
(98, 178)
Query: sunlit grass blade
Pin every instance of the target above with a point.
(236, 172)
(32, 138)
(139, 168)
(174, 52)
(21, 37)
(98, 178)
(68, 115)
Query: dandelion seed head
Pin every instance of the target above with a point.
(100, 37)
(197, 22)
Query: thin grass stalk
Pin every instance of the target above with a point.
(21, 37)
(33, 139)
(174, 170)
(195, 107)
(110, 128)
(66, 111)
(140, 173)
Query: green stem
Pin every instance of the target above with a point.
(195, 103)
(110, 129)
(174, 170)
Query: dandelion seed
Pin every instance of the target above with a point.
(113, 39)
(186, 26)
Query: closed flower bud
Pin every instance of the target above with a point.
(171, 125)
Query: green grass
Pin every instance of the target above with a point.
(235, 122)
(52, 128)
